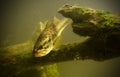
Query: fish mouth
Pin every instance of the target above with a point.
(41, 53)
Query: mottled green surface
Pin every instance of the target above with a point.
(102, 27)
(90, 22)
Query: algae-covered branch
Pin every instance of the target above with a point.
(102, 27)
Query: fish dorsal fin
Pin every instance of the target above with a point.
(43, 25)
(56, 20)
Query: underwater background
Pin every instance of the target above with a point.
(20, 17)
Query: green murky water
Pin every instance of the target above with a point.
(19, 18)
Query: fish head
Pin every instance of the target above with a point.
(43, 48)
(40, 52)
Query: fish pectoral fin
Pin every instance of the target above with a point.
(57, 42)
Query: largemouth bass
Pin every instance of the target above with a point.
(50, 32)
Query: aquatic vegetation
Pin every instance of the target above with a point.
(90, 22)
(102, 27)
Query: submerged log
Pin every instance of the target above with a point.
(102, 28)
